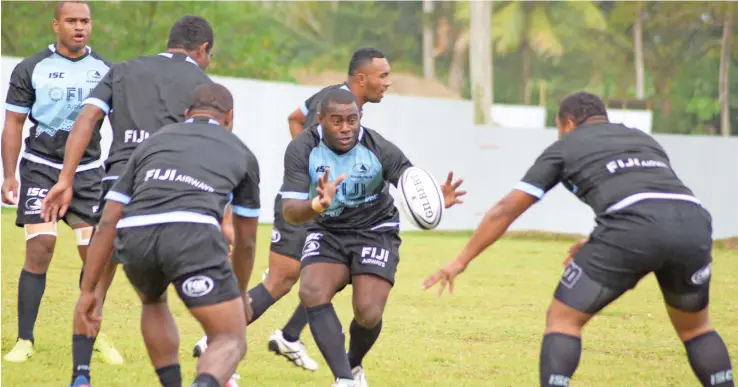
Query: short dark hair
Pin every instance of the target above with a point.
(61, 4)
(580, 106)
(362, 57)
(337, 97)
(189, 32)
(212, 96)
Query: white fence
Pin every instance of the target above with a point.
(438, 135)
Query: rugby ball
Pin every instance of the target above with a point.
(421, 198)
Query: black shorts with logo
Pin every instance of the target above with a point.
(192, 256)
(672, 239)
(287, 239)
(363, 251)
(37, 179)
(105, 187)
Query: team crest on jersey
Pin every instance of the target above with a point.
(94, 76)
(276, 236)
(56, 94)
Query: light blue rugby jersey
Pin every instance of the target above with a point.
(362, 200)
(50, 88)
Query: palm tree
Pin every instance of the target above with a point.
(528, 28)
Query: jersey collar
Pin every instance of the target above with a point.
(52, 48)
(170, 56)
(202, 120)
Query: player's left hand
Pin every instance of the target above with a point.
(573, 250)
(451, 192)
(445, 276)
(56, 202)
(88, 311)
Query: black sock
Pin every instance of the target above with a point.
(361, 341)
(299, 320)
(30, 290)
(559, 359)
(170, 376)
(81, 355)
(205, 380)
(328, 334)
(710, 360)
(261, 300)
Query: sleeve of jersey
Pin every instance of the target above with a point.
(102, 95)
(545, 172)
(246, 203)
(305, 107)
(296, 183)
(394, 162)
(21, 94)
(122, 190)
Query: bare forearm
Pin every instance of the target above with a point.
(295, 127)
(77, 142)
(298, 211)
(11, 146)
(243, 263)
(98, 255)
(493, 226)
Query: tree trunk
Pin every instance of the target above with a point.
(525, 70)
(480, 60)
(638, 52)
(429, 65)
(724, 95)
(458, 62)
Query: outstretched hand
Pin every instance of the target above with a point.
(327, 189)
(451, 192)
(56, 202)
(445, 276)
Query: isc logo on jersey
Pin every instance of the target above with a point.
(421, 198)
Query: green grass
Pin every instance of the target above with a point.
(487, 334)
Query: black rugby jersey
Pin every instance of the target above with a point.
(607, 166)
(187, 173)
(142, 95)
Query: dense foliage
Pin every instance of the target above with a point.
(543, 50)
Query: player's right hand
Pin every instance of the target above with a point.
(56, 202)
(10, 191)
(88, 311)
(327, 190)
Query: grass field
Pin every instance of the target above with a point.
(487, 334)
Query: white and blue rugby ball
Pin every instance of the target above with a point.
(421, 198)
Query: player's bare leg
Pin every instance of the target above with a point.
(706, 350)
(283, 275)
(320, 282)
(225, 325)
(40, 243)
(161, 337)
(369, 299)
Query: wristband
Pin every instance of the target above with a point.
(317, 207)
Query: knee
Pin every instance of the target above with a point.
(39, 251)
(279, 284)
(368, 314)
(563, 319)
(313, 294)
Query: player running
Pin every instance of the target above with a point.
(337, 174)
(48, 88)
(167, 207)
(368, 79)
(647, 221)
(141, 96)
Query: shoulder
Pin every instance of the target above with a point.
(375, 141)
(27, 65)
(315, 98)
(303, 144)
(96, 56)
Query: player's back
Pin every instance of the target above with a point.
(610, 166)
(149, 93)
(188, 167)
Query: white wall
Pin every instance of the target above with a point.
(438, 135)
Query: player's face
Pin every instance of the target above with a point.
(341, 126)
(73, 26)
(377, 80)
